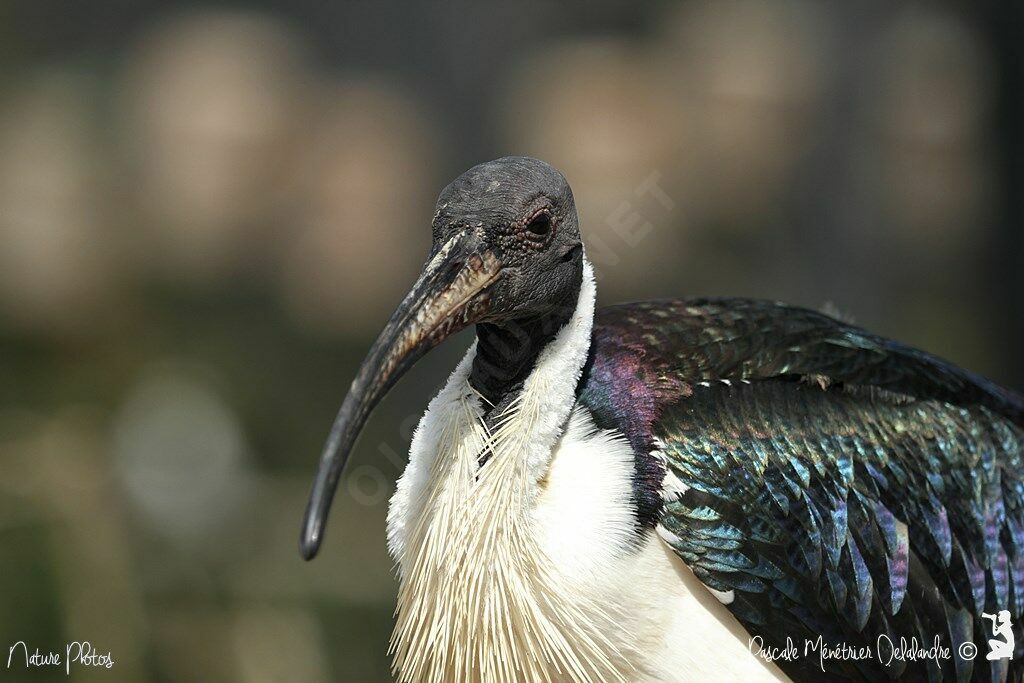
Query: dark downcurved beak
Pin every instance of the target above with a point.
(449, 295)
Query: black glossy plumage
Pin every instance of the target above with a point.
(841, 484)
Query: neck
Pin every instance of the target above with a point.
(507, 353)
(453, 520)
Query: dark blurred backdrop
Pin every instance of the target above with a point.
(207, 212)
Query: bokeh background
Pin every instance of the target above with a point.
(207, 212)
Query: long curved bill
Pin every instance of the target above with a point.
(450, 294)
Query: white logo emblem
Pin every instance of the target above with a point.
(1001, 626)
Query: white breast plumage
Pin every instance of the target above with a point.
(530, 567)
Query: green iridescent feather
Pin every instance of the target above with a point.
(838, 483)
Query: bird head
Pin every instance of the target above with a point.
(506, 246)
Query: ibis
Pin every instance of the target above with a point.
(692, 489)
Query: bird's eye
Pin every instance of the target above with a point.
(540, 225)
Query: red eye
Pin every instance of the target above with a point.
(540, 225)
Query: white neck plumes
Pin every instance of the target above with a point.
(479, 599)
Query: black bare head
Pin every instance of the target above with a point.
(522, 211)
(506, 256)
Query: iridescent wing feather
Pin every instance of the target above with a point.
(838, 484)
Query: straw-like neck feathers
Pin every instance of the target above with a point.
(479, 598)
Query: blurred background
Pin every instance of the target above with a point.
(207, 213)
